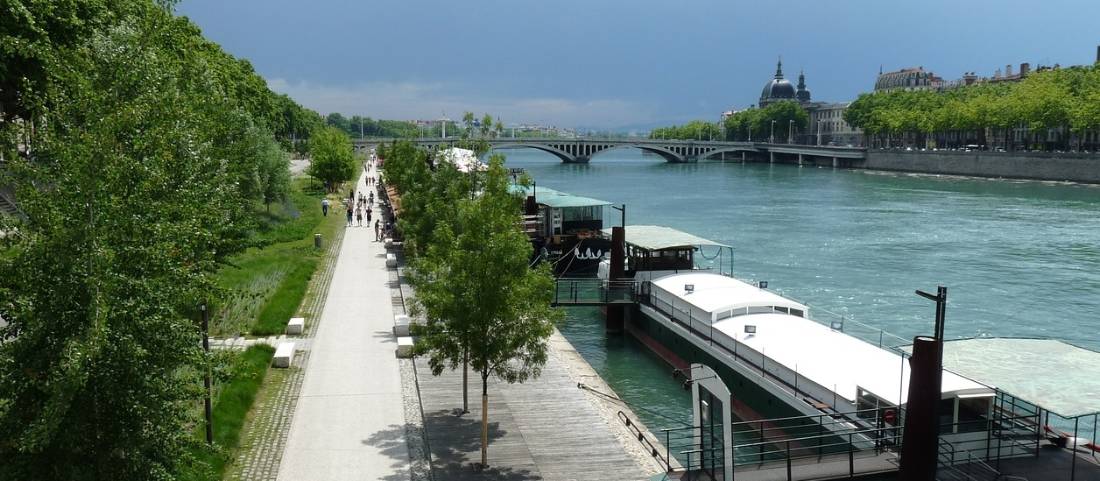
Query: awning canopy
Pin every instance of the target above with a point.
(556, 199)
(655, 237)
(1059, 377)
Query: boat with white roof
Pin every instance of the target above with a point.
(767, 348)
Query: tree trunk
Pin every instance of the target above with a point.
(484, 418)
(465, 384)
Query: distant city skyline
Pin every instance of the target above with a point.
(617, 64)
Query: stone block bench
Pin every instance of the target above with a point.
(284, 354)
(404, 347)
(401, 325)
(391, 260)
(296, 326)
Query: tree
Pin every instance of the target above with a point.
(468, 121)
(274, 173)
(130, 206)
(482, 300)
(332, 159)
(486, 125)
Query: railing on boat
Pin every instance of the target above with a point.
(593, 292)
(683, 444)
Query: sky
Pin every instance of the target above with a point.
(622, 64)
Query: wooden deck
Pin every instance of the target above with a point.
(544, 429)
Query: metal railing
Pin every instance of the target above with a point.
(569, 291)
(685, 445)
(644, 441)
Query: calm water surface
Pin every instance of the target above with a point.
(1018, 258)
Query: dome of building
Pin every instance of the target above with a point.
(777, 88)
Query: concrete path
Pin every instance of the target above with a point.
(349, 423)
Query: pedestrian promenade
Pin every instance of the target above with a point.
(349, 423)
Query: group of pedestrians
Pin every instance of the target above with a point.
(356, 205)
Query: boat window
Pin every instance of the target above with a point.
(759, 309)
(781, 309)
(797, 312)
(973, 414)
(947, 414)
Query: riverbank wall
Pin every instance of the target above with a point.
(1051, 166)
(1047, 166)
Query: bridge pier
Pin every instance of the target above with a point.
(834, 162)
(771, 157)
(800, 160)
(742, 156)
(580, 159)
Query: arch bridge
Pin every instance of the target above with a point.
(582, 150)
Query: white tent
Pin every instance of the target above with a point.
(463, 159)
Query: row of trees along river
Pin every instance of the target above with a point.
(1057, 109)
(486, 308)
(141, 155)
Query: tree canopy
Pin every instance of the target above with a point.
(757, 124)
(332, 159)
(1063, 100)
(139, 153)
(694, 130)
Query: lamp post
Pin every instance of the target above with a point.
(623, 210)
(771, 138)
(819, 131)
(207, 407)
(790, 131)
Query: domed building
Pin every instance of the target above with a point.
(779, 89)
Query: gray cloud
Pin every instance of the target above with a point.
(430, 100)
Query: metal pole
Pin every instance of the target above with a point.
(788, 461)
(207, 407)
(1073, 462)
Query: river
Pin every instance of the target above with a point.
(1019, 258)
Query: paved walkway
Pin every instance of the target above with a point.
(349, 423)
(544, 429)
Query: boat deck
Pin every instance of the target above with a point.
(1051, 464)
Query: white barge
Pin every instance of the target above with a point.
(776, 359)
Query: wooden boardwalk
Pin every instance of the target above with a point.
(544, 429)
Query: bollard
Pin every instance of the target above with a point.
(317, 241)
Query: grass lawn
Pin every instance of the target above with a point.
(265, 284)
(244, 373)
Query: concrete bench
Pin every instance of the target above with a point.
(404, 347)
(391, 260)
(401, 325)
(389, 243)
(296, 326)
(284, 354)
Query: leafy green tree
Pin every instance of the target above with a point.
(129, 209)
(468, 122)
(332, 159)
(486, 125)
(274, 173)
(483, 302)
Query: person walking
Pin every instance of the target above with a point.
(324, 207)
(359, 216)
(349, 214)
(368, 215)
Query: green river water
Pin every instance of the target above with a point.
(1019, 258)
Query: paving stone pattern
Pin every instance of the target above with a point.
(264, 435)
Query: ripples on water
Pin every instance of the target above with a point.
(1019, 258)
